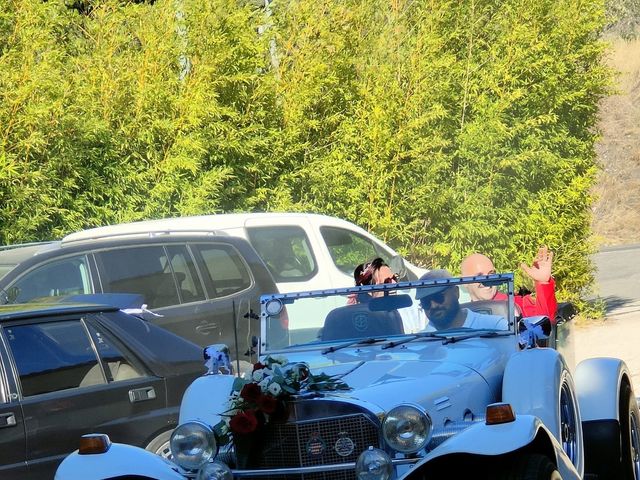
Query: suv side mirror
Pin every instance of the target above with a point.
(397, 266)
(10, 295)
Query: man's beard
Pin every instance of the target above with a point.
(444, 315)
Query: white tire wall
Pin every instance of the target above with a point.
(534, 382)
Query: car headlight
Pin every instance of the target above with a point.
(215, 471)
(374, 464)
(192, 444)
(407, 428)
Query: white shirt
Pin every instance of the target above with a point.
(482, 320)
(479, 321)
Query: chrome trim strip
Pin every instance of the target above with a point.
(314, 469)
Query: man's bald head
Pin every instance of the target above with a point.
(478, 264)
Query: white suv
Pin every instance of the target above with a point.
(302, 251)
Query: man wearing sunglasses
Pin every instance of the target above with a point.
(544, 302)
(441, 304)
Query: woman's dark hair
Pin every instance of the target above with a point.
(363, 274)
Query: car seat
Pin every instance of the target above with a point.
(119, 370)
(357, 321)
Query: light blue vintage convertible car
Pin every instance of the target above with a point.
(357, 383)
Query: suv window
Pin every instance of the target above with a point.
(226, 272)
(285, 250)
(142, 270)
(348, 249)
(189, 285)
(65, 277)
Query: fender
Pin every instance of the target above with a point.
(527, 384)
(598, 382)
(532, 384)
(120, 460)
(215, 389)
(494, 440)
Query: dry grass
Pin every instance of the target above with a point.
(616, 218)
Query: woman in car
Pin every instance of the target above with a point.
(377, 272)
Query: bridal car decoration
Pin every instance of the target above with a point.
(256, 401)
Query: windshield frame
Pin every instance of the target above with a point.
(285, 298)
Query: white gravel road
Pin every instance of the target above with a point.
(617, 336)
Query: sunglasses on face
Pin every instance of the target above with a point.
(392, 279)
(436, 297)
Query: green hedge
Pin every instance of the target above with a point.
(444, 127)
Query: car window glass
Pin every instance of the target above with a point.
(141, 270)
(349, 249)
(226, 271)
(65, 277)
(53, 356)
(184, 269)
(285, 250)
(117, 364)
(168, 349)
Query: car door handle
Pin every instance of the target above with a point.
(7, 420)
(207, 328)
(141, 394)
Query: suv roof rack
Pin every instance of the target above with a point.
(28, 244)
(142, 232)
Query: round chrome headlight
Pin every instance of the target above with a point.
(215, 471)
(407, 428)
(374, 464)
(192, 444)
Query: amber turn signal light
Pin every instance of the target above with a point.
(94, 443)
(499, 413)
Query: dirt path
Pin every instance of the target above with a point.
(617, 336)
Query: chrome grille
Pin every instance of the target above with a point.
(313, 442)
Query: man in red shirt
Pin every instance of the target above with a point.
(544, 302)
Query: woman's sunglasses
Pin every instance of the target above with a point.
(392, 279)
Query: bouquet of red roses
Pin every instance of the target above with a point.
(257, 400)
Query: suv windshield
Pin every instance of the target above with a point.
(388, 310)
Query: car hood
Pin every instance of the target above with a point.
(432, 375)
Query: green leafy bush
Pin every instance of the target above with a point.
(444, 127)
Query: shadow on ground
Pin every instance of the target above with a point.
(614, 302)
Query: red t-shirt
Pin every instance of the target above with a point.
(544, 303)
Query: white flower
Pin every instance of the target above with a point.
(258, 375)
(279, 359)
(274, 389)
(264, 384)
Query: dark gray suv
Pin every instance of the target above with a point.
(204, 288)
